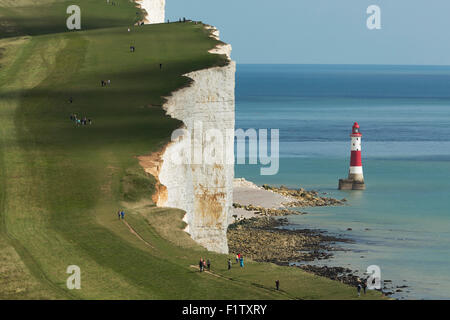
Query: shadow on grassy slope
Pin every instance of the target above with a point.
(51, 18)
(62, 185)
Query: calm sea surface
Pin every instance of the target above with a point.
(402, 221)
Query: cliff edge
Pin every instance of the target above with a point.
(203, 190)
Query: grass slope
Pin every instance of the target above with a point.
(37, 17)
(61, 185)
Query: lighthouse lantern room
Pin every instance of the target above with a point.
(355, 180)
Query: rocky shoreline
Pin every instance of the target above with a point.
(341, 274)
(266, 211)
(261, 236)
(264, 239)
(250, 200)
(259, 232)
(303, 198)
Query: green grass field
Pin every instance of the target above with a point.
(61, 185)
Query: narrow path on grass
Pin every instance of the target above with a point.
(252, 283)
(133, 231)
(137, 234)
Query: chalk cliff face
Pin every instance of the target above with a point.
(203, 190)
(155, 10)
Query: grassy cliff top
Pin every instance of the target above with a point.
(62, 184)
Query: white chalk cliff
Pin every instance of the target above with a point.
(155, 10)
(203, 190)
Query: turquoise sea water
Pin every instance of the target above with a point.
(402, 221)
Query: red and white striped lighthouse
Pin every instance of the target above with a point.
(355, 179)
(356, 170)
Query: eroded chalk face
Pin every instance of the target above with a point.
(209, 206)
(155, 10)
(203, 189)
(210, 200)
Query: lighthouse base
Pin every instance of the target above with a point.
(350, 184)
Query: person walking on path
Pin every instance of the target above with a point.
(364, 286)
(277, 284)
(237, 258)
(229, 264)
(358, 288)
(200, 264)
(241, 260)
(208, 264)
(118, 214)
(204, 264)
(122, 213)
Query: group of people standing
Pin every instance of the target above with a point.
(179, 20)
(121, 214)
(204, 265)
(83, 121)
(78, 121)
(106, 83)
(240, 260)
(361, 285)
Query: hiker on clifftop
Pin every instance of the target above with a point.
(208, 265)
(200, 264)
